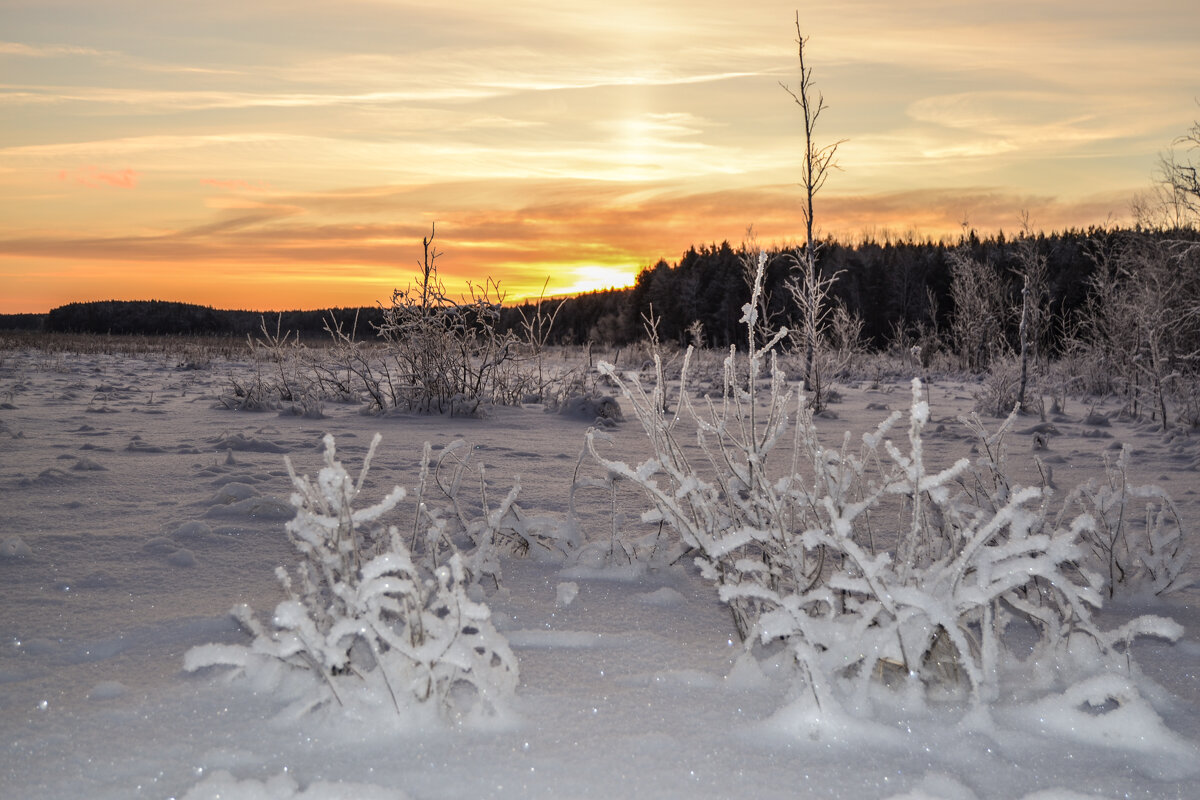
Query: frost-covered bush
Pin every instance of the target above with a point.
(282, 379)
(1140, 331)
(433, 353)
(440, 348)
(999, 391)
(1136, 538)
(868, 564)
(373, 619)
(981, 311)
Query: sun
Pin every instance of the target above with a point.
(570, 279)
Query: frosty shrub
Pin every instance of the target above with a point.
(373, 620)
(537, 323)
(981, 310)
(283, 379)
(1000, 391)
(866, 563)
(433, 353)
(1141, 325)
(446, 354)
(1136, 539)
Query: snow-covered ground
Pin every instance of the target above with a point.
(134, 515)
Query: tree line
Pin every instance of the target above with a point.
(899, 289)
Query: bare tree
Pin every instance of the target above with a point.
(808, 288)
(1035, 317)
(1182, 174)
(1173, 202)
(537, 324)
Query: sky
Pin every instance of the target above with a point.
(278, 154)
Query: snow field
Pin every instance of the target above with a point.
(632, 679)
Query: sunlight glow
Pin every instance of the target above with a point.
(592, 277)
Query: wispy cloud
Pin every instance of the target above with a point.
(236, 184)
(138, 144)
(158, 101)
(95, 177)
(578, 241)
(49, 50)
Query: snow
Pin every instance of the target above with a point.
(127, 536)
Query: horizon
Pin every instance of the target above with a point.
(879, 238)
(293, 155)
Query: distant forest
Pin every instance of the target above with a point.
(896, 287)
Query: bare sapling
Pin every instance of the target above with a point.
(1035, 318)
(353, 369)
(282, 379)
(767, 316)
(808, 287)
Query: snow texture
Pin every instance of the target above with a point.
(641, 686)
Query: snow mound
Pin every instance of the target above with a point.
(803, 718)
(567, 592)
(604, 411)
(13, 547)
(265, 508)
(85, 464)
(248, 444)
(194, 530)
(182, 558)
(554, 639)
(674, 679)
(938, 786)
(107, 690)
(1108, 711)
(232, 492)
(666, 597)
(221, 785)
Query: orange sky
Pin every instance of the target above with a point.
(292, 153)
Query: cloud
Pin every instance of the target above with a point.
(154, 143)
(236, 184)
(581, 237)
(94, 177)
(157, 101)
(49, 51)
